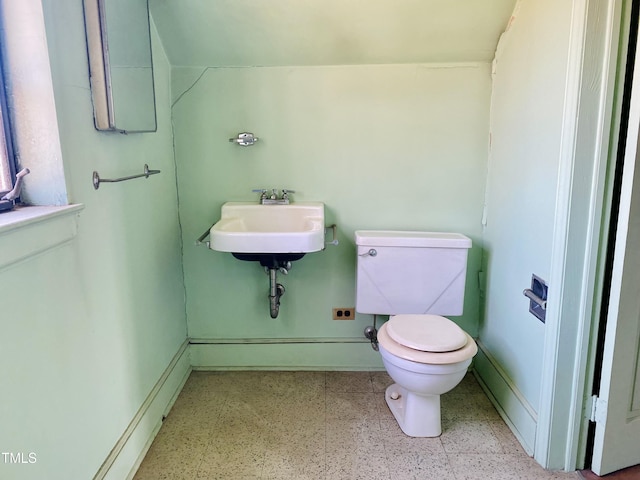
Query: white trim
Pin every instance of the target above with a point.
(156, 429)
(30, 231)
(22, 216)
(128, 452)
(511, 404)
(291, 355)
(578, 216)
(276, 340)
(552, 347)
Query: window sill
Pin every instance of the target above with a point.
(29, 231)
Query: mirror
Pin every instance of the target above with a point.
(120, 65)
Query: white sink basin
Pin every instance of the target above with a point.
(246, 227)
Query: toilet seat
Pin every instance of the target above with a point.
(427, 333)
(418, 355)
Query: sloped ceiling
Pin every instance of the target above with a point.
(328, 32)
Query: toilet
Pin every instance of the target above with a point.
(416, 278)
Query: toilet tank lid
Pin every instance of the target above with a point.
(392, 238)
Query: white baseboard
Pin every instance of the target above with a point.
(505, 396)
(128, 452)
(284, 354)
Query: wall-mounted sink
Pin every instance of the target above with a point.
(274, 235)
(246, 227)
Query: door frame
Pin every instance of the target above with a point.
(582, 208)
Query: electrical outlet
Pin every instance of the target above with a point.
(344, 313)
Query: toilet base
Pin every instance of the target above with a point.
(417, 415)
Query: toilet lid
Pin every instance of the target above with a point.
(426, 333)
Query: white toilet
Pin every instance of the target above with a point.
(415, 277)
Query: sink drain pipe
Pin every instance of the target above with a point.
(276, 290)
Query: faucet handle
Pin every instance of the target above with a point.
(285, 192)
(261, 191)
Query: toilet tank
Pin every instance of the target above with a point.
(410, 272)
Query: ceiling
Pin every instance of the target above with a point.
(328, 32)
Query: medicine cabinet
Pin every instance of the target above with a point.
(120, 64)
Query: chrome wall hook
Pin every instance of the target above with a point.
(245, 139)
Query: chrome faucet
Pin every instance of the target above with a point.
(273, 198)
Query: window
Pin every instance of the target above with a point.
(7, 163)
(33, 118)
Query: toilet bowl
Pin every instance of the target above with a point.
(426, 356)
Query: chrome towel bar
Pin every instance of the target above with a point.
(146, 173)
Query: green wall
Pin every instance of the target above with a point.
(233, 33)
(526, 130)
(89, 327)
(383, 146)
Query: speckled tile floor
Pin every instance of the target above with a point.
(329, 426)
